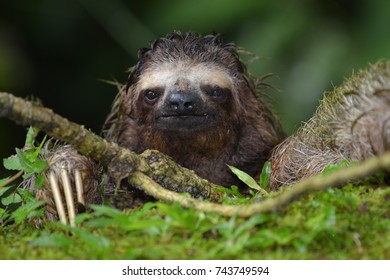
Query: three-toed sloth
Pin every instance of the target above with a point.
(191, 97)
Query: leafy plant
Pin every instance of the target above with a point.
(28, 160)
(251, 182)
(18, 204)
(265, 175)
(233, 190)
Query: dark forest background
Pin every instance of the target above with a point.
(59, 50)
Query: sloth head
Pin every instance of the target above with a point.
(185, 84)
(191, 97)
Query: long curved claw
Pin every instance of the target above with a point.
(79, 187)
(70, 214)
(57, 198)
(68, 196)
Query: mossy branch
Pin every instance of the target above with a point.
(120, 162)
(140, 170)
(316, 183)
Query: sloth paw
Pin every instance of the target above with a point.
(71, 185)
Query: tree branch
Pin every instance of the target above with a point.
(293, 192)
(120, 162)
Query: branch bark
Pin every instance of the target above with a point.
(146, 169)
(293, 192)
(120, 162)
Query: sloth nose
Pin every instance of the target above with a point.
(181, 102)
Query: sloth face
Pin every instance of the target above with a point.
(185, 98)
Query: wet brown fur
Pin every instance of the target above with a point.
(245, 132)
(351, 123)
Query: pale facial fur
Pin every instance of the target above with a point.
(184, 76)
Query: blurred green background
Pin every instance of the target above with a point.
(58, 50)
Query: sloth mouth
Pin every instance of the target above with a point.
(184, 122)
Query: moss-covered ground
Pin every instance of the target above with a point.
(352, 222)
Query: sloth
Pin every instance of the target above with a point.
(192, 98)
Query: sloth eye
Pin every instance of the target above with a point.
(152, 95)
(217, 93)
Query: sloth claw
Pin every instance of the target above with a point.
(68, 194)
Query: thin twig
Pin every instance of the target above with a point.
(11, 179)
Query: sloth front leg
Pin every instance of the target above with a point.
(71, 184)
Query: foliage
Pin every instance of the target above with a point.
(248, 180)
(265, 175)
(333, 167)
(18, 204)
(336, 224)
(28, 159)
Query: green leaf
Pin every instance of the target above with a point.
(10, 199)
(4, 215)
(245, 177)
(334, 167)
(140, 225)
(30, 137)
(265, 175)
(26, 195)
(30, 140)
(39, 148)
(24, 160)
(233, 191)
(39, 180)
(30, 163)
(6, 191)
(29, 210)
(12, 163)
(100, 210)
(2, 181)
(39, 166)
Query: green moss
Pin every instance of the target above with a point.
(352, 222)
